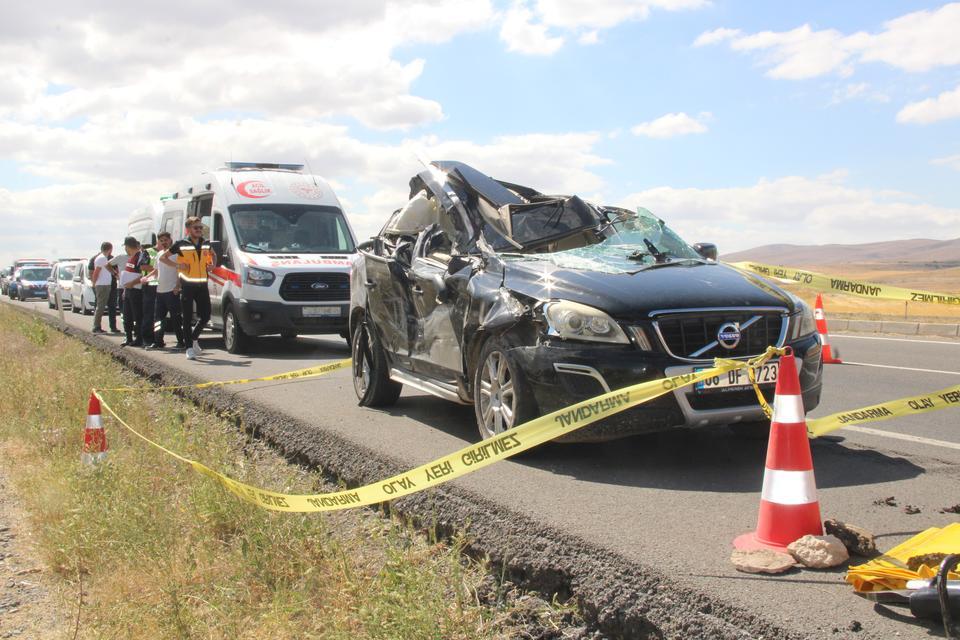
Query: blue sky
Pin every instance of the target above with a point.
(744, 123)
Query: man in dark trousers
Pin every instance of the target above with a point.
(168, 294)
(194, 258)
(132, 293)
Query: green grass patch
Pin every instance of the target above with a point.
(163, 552)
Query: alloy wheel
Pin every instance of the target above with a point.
(498, 401)
(361, 362)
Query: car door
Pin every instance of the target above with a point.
(436, 347)
(390, 312)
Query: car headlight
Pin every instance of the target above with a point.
(259, 277)
(574, 321)
(802, 322)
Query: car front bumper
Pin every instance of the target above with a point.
(562, 373)
(260, 318)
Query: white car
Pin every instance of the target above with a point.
(61, 281)
(82, 297)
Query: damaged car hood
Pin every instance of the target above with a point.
(627, 290)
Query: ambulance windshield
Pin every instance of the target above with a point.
(291, 228)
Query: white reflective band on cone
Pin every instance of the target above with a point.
(788, 409)
(789, 487)
(818, 314)
(94, 422)
(824, 340)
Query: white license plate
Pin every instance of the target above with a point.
(321, 312)
(765, 374)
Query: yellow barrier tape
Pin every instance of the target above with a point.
(860, 288)
(470, 458)
(310, 372)
(942, 399)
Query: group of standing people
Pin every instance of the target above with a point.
(161, 288)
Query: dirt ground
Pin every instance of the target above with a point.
(29, 608)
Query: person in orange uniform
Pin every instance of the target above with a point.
(194, 259)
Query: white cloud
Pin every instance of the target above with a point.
(672, 124)
(542, 26)
(857, 91)
(797, 209)
(715, 36)
(949, 161)
(914, 42)
(943, 107)
(313, 60)
(522, 35)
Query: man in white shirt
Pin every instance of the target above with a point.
(168, 293)
(102, 277)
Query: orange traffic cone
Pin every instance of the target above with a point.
(788, 504)
(822, 330)
(94, 437)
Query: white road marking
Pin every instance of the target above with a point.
(888, 366)
(904, 436)
(847, 335)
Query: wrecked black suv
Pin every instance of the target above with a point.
(489, 293)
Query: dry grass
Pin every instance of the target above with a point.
(165, 553)
(905, 275)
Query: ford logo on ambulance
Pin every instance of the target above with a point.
(319, 285)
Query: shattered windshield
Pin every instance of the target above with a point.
(650, 236)
(633, 242)
(291, 228)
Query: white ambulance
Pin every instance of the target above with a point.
(284, 247)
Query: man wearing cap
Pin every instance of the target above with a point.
(194, 258)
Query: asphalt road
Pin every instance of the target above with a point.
(670, 501)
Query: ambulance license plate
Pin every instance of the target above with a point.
(321, 312)
(766, 374)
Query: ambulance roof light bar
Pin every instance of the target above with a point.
(248, 166)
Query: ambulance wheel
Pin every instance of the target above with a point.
(371, 378)
(751, 430)
(234, 338)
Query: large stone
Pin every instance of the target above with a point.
(857, 541)
(761, 561)
(818, 552)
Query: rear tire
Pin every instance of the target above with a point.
(234, 338)
(371, 377)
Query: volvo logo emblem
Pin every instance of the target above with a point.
(729, 335)
(324, 285)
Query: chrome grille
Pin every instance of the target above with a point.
(312, 287)
(692, 335)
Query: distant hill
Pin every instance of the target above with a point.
(908, 252)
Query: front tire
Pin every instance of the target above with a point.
(234, 338)
(501, 396)
(371, 377)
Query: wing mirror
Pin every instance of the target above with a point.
(706, 249)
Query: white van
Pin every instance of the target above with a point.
(144, 223)
(284, 247)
